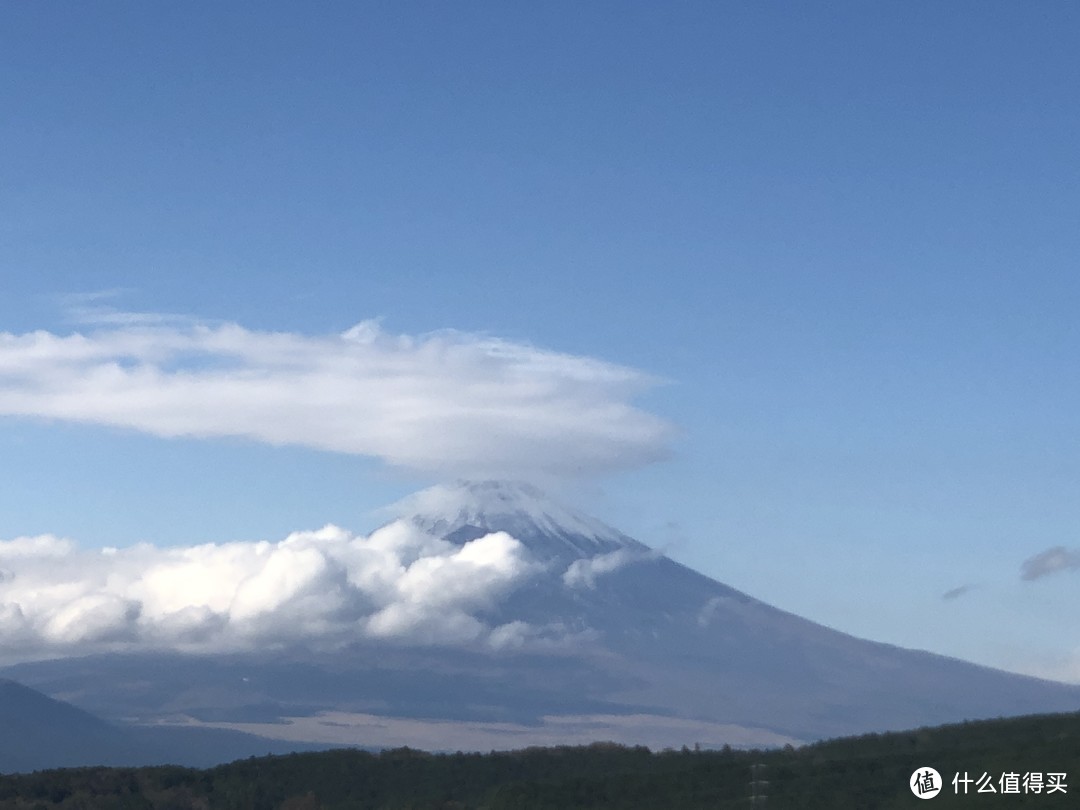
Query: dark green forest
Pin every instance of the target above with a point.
(859, 772)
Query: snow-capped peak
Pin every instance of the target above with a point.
(519, 509)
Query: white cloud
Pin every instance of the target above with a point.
(321, 588)
(516, 635)
(710, 610)
(584, 572)
(42, 545)
(446, 402)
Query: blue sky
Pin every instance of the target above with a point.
(833, 248)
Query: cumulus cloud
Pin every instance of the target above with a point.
(1049, 562)
(445, 402)
(319, 587)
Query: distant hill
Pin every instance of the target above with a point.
(38, 732)
(867, 772)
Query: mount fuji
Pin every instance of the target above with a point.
(594, 636)
(694, 647)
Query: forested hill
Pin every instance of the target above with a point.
(864, 772)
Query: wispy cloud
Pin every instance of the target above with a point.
(1049, 562)
(94, 309)
(446, 402)
(583, 573)
(321, 588)
(956, 593)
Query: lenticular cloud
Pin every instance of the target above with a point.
(446, 402)
(321, 588)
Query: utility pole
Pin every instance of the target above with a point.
(758, 786)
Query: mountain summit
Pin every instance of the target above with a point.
(683, 643)
(469, 509)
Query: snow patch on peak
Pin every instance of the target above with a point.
(515, 507)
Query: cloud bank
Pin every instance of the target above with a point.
(320, 588)
(446, 402)
(1049, 562)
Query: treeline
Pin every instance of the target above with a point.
(863, 772)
